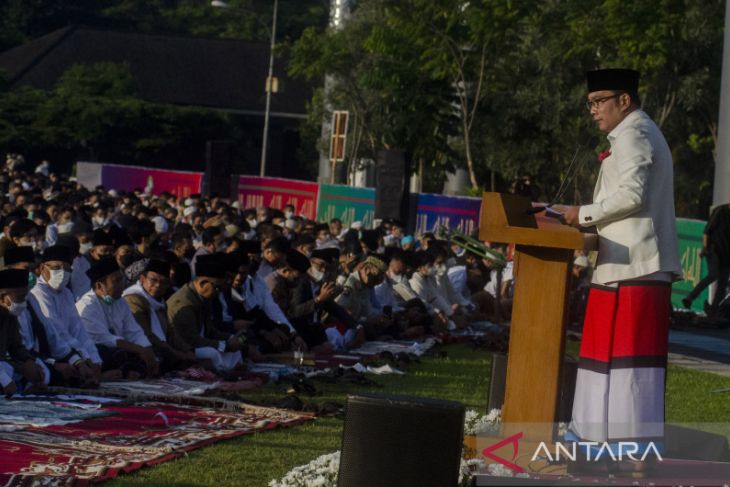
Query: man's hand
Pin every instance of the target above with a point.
(32, 372)
(299, 344)
(570, 214)
(10, 389)
(326, 292)
(150, 360)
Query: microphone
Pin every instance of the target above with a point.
(570, 173)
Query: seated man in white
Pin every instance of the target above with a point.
(108, 320)
(63, 365)
(55, 305)
(102, 246)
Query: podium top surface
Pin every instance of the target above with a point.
(504, 219)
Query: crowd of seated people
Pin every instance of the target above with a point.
(106, 285)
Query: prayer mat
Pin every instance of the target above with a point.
(132, 437)
(158, 387)
(23, 412)
(396, 346)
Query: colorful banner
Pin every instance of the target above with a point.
(257, 192)
(694, 267)
(346, 203)
(454, 212)
(129, 178)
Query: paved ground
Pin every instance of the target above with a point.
(701, 349)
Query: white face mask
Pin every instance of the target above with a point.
(99, 221)
(440, 270)
(252, 223)
(85, 247)
(66, 227)
(397, 278)
(315, 274)
(288, 214)
(59, 278)
(432, 271)
(16, 309)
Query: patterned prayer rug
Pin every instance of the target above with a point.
(133, 436)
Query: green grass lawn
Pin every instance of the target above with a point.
(461, 376)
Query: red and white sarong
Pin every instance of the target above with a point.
(619, 394)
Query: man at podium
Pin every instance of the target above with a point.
(619, 393)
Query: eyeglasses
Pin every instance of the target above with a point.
(596, 102)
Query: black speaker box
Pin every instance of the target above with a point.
(218, 168)
(401, 441)
(392, 188)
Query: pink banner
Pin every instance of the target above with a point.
(257, 192)
(156, 181)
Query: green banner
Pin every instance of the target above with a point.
(346, 203)
(694, 267)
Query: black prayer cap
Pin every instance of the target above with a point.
(297, 261)
(13, 279)
(102, 238)
(13, 255)
(57, 252)
(330, 254)
(158, 266)
(250, 246)
(209, 266)
(613, 79)
(102, 268)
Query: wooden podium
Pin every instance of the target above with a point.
(542, 262)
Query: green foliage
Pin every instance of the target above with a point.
(400, 66)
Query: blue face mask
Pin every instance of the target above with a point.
(32, 278)
(108, 299)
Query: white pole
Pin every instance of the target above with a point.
(721, 190)
(269, 87)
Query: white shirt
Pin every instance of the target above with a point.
(258, 294)
(109, 323)
(59, 349)
(426, 289)
(507, 275)
(80, 282)
(57, 309)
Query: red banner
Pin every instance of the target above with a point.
(257, 192)
(156, 181)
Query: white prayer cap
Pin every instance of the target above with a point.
(231, 230)
(188, 201)
(113, 193)
(161, 225)
(236, 205)
(581, 261)
(189, 211)
(356, 225)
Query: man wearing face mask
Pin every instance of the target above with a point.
(273, 256)
(102, 246)
(190, 318)
(293, 293)
(63, 224)
(445, 288)
(356, 296)
(17, 364)
(54, 305)
(108, 320)
(213, 240)
(423, 283)
(62, 364)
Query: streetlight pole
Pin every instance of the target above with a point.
(269, 87)
(269, 82)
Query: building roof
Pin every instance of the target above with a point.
(215, 73)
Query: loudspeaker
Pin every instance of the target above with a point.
(498, 383)
(218, 168)
(399, 440)
(392, 189)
